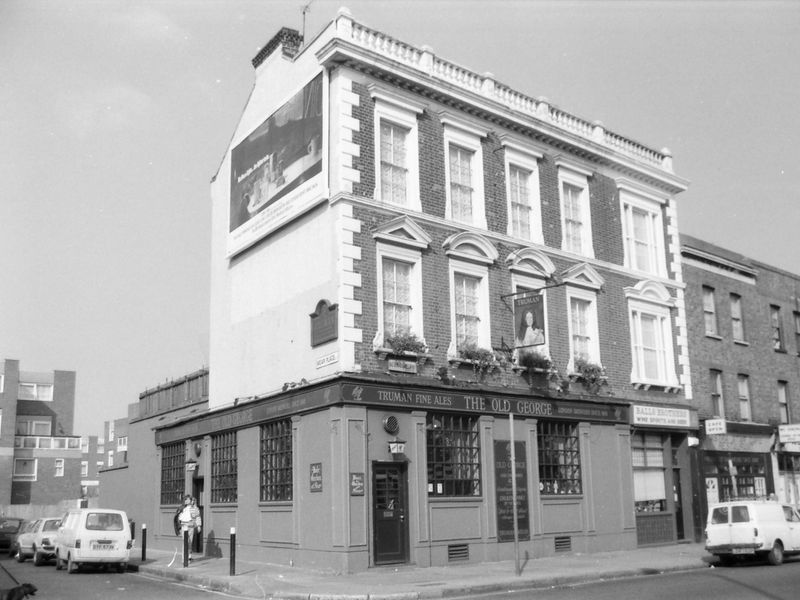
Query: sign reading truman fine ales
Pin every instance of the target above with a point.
(276, 171)
(504, 491)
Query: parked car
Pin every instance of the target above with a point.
(752, 529)
(9, 528)
(37, 541)
(93, 536)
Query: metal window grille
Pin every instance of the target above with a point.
(276, 461)
(559, 458)
(173, 457)
(224, 476)
(454, 455)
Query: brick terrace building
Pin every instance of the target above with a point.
(37, 445)
(382, 223)
(744, 342)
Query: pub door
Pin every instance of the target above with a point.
(198, 485)
(389, 508)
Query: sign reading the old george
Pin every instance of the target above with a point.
(504, 491)
(324, 323)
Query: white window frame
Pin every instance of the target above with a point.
(589, 296)
(37, 393)
(401, 112)
(467, 136)
(629, 201)
(577, 177)
(122, 443)
(520, 283)
(2, 383)
(84, 468)
(484, 326)
(710, 312)
(84, 445)
(666, 354)
(110, 458)
(743, 391)
(783, 403)
(524, 158)
(737, 316)
(59, 467)
(414, 258)
(718, 404)
(17, 476)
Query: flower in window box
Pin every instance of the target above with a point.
(483, 360)
(593, 375)
(402, 343)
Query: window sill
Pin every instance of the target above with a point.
(668, 388)
(741, 343)
(781, 350)
(714, 336)
(385, 353)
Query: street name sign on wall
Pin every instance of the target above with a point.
(504, 494)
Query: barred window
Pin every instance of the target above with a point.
(454, 455)
(223, 467)
(173, 457)
(559, 458)
(276, 461)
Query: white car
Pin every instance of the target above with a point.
(37, 541)
(93, 536)
(752, 529)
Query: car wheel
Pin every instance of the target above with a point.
(37, 558)
(775, 556)
(58, 562)
(71, 566)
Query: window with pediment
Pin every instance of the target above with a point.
(399, 246)
(582, 285)
(470, 256)
(652, 340)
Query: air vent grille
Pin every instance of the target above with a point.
(458, 552)
(563, 544)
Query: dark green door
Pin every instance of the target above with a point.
(389, 499)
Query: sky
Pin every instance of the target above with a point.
(115, 115)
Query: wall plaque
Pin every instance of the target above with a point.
(356, 484)
(315, 477)
(324, 323)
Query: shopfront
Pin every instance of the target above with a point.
(661, 472)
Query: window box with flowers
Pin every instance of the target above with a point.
(402, 345)
(536, 368)
(591, 374)
(482, 360)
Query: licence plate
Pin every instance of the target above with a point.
(742, 551)
(102, 546)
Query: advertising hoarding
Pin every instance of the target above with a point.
(276, 171)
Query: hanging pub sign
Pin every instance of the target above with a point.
(529, 322)
(324, 323)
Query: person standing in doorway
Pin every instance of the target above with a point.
(189, 517)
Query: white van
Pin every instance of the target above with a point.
(751, 529)
(93, 535)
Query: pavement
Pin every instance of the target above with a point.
(408, 582)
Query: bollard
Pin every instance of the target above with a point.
(185, 546)
(144, 542)
(233, 551)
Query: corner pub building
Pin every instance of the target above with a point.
(380, 220)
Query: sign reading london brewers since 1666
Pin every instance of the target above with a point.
(504, 491)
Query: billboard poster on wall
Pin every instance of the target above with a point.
(529, 322)
(276, 171)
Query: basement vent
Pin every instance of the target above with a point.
(563, 544)
(458, 552)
